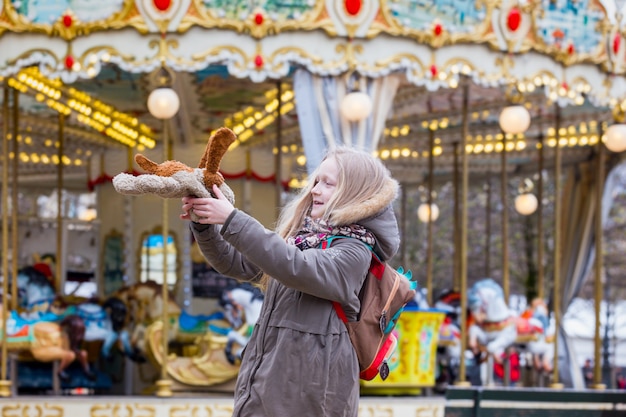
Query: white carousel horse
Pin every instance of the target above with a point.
(494, 324)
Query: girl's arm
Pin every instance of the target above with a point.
(336, 273)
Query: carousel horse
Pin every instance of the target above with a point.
(35, 291)
(74, 327)
(242, 306)
(116, 330)
(144, 302)
(540, 347)
(40, 328)
(493, 325)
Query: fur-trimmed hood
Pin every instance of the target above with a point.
(375, 214)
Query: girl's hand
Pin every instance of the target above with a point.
(208, 210)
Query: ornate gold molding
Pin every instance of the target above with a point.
(258, 24)
(39, 410)
(69, 27)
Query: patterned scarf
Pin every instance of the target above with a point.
(315, 231)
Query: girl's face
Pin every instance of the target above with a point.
(325, 185)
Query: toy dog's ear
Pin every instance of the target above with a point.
(207, 152)
(145, 163)
(216, 148)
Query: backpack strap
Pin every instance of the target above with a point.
(377, 268)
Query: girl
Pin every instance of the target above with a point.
(299, 360)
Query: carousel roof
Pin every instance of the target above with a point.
(96, 63)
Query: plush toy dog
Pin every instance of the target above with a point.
(174, 179)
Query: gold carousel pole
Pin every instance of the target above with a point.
(488, 228)
(540, 271)
(429, 256)
(457, 220)
(278, 161)
(597, 368)
(505, 220)
(163, 103)
(164, 384)
(5, 384)
(59, 279)
(14, 205)
(556, 288)
(463, 259)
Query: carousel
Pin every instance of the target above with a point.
(104, 291)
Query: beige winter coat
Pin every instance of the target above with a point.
(299, 361)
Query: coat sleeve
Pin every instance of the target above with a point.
(222, 256)
(336, 273)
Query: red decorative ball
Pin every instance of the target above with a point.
(162, 5)
(617, 41)
(514, 19)
(258, 18)
(434, 70)
(437, 29)
(258, 61)
(353, 7)
(571, 49)
(67, 20)
(69, 62)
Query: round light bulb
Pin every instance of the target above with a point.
(615, 140)
(423, 212)
(356, 106)
(526, 204)
(163, 103)
(514, 119)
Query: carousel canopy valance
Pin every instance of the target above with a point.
(236, 60)
(573, 47)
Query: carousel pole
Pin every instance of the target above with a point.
(504, 180)
(14, 196)
(556, 288)
(597, 366)
(163, 103)
(403, 224)
(463, 258)
(488, 228)
(278, 161)
(457, 219)
(429, 256)
(164, 384)
(540, 271)
(5, 384)
(59, 279)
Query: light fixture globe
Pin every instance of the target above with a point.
(356, 106)
(526, 204)
(514, 119)
(615, 139)
(163, 103)
(423, 212)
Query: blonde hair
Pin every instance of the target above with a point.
(360, 176)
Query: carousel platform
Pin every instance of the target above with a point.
(458, 402)
(206, 405)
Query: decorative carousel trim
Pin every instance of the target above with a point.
(68, 26)
(258, 23)
(257, 61)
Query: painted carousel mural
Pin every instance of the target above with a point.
(104, 291)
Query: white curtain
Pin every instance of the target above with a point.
(321, 124)
(578, 250)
